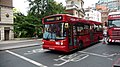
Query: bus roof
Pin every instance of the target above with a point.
(67, 18)
(94, 22)
(114, 15)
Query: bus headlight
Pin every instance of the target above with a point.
(61, 43)
(43, 42)
(57, 43)
(109, 40)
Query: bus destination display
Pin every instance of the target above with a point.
(54, 18)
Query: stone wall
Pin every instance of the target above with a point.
(11, 33)
(6, 21)
(6, 3)
(4, 12)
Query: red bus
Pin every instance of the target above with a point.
(113, 27)
(65, 33)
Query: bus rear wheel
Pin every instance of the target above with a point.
(80, 45)
(98, 39)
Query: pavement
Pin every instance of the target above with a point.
(18, 43)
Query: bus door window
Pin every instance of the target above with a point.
(75, 35)
(70, 35)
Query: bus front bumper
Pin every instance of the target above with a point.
(113, 40)
(56, 48)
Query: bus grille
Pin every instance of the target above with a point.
(117, 33)
(115, 37)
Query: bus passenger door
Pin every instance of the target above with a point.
(75, 36)
(92, 34)
(71, 37)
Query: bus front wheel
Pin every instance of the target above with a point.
(109, 43)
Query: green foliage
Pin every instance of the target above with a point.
(22, 27)
(31, 25)
(41, 8)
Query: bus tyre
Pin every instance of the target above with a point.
(80, 45)
(98, 39)
(109, 43)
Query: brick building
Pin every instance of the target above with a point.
(6, 20)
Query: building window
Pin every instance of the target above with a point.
(72, 2)
(76, 13)
(88, 15)
(0, 13)
(0, 35)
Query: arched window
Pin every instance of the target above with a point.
(72, 2)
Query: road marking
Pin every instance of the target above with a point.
(35, 51)
(93, 54)
(104, 55)
(27, 59)
(70, 58)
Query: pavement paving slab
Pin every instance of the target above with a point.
(19, 43)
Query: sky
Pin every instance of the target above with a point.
(22, 5)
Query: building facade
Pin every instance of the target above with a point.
(75, 8)
(6, 20)
(102, 7)
(92, 14)
(112, 5)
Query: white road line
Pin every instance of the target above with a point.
(93, 54)
(27, 59)
(80, 58)
(70, 58)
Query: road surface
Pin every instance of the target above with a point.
(98, 55)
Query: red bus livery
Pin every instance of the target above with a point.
(65, 33)
(114, 27)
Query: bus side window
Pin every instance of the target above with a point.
(80, 29)
(74, 30)
(100, 28)
(95, 28)
(91, 27)
(86, 29)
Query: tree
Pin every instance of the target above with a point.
(26, 26)
(22, 27)
(41, 8)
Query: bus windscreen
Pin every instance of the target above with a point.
(54, 31)
(114, 23)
